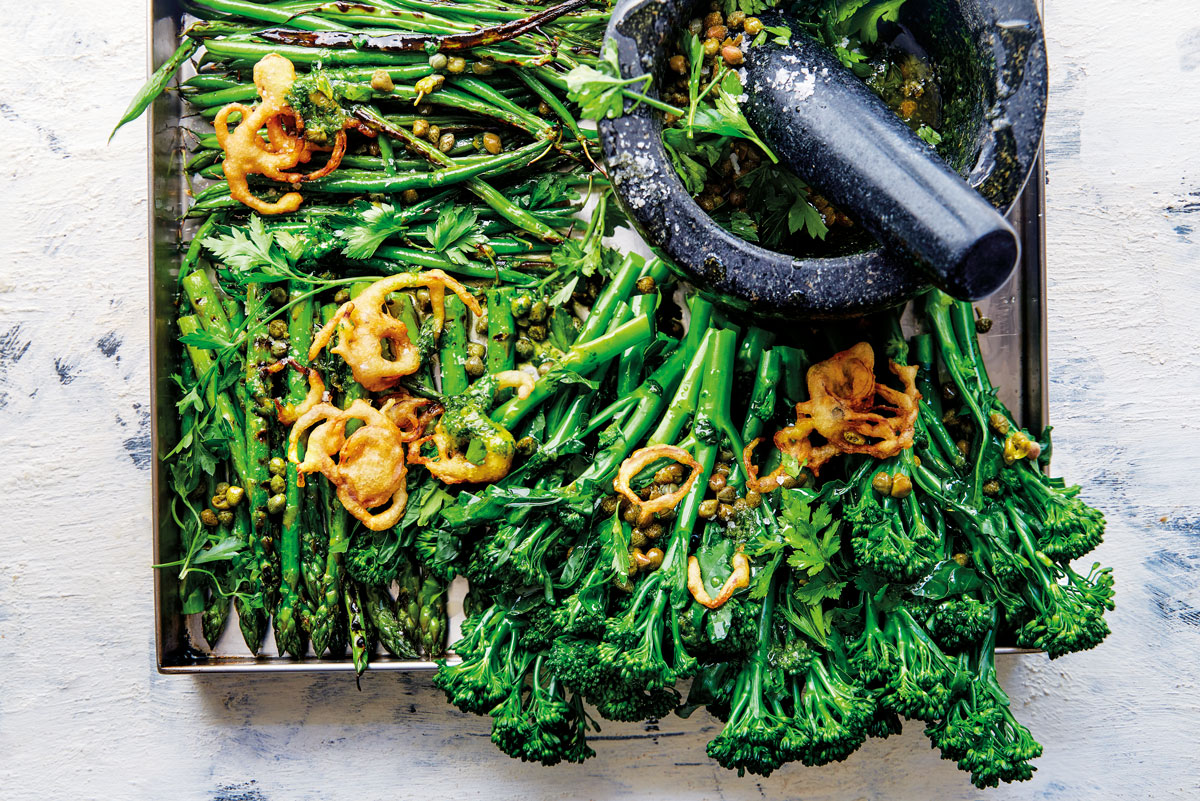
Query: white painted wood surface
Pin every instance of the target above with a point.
(84, 715)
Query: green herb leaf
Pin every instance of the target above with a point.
(454, 235)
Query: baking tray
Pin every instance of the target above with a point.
(1014, 348)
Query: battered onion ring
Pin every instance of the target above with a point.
(371, 466)
(365, 325)
(410, 414)
(852, 412)
(316, 393)
(739, 578)
(246, 153)
(452, 466)
(638, 461)
(519, 380)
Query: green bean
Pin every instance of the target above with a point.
(158, 81)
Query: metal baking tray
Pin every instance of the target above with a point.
(1015, 350)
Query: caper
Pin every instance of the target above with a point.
(717, 482)
(752, 25)
(543, 368)
(725, 512)
(492, 143)
(964, 447)
(276, 504)
(521, 305)
(524, 349)
(438, 61)
(654, 559)
(476, 349)
(278, 296)
(544, 109)
(901, 486)
(537, 312)
(678, 64)
(278, 329)
(225, 517)
(638, 538)
(983, 325)
(481, 324)
(718, 32)
(722, 469)
(725, 455)
(423, 300)
(456, 64)
(208, 517)
(433, 134)
(234, 495)
(695, 26)
(711, 46)
(882, 483)
(430, 83)
(727, 495)
(713, 18)
(753, 499)
(788, 482)
(646, 285)
(991, 488)
(527, 446)
(341, 296)
(740, 505)
(732, 55)
(608, 505)
(381, 81)
(279, 348)
(735, 20)
(654, 530)
(420, 128)
(708, 508)
(277, 466)
(222, 487)
(474, 367)
(537, 333)
(446, 142)
(961, 559)
(999, 423)
(671, 474)
(853, 438)
(219, 502)
(630, 515)
(483, 68)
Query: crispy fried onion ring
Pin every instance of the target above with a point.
(316, 391)
(410, 414)
(852, 412)
(370, 468)
(365, 325)
(640, 460)
(452, 466)
(739, 578)
(247, 153)
(519, 380)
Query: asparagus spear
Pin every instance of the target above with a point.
(288, 637)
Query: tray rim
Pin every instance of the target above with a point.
(173, 656)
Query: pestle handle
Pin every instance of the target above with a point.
(835, 133)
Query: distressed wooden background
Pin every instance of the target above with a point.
(83, 714)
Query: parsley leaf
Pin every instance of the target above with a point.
(725, 116)
(378, 222)
(600, 91)
(454, 235)
(929, 135)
